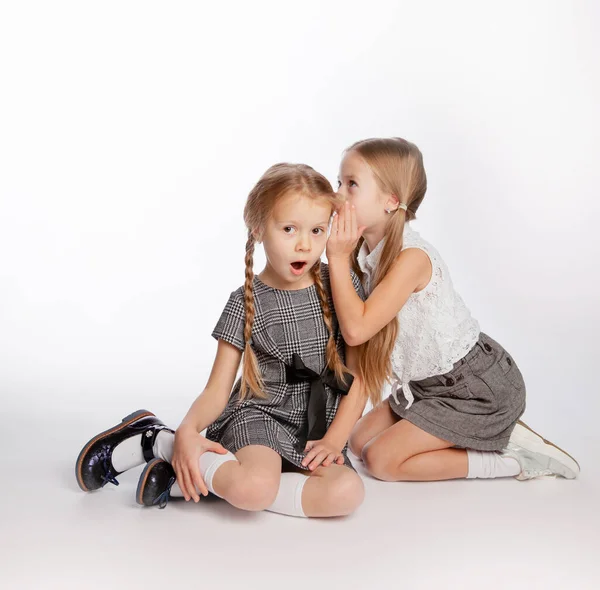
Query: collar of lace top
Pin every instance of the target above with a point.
(368, 260)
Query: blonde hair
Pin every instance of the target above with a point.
(398, 168)
(277, 182)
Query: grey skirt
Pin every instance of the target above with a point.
(476, 405)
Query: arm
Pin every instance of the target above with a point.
(360, 320)
(209, 405)
(351, 406)
(189, 444)
(329, 448)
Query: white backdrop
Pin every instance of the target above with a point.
(131, 133)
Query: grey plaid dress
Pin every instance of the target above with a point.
(286, 323)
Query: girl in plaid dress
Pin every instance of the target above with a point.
(276, 437)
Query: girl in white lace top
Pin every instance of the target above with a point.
(457, 395)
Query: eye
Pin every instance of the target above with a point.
(339, 184)
(352, 183)
(288, 229)
(318, 230)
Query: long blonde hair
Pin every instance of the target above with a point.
(398, 168)
(277, 182)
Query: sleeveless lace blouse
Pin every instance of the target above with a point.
(436, 328)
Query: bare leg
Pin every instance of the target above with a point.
(405, 452)
(380, 418)
(251, 482)
(330, 491)
(436, 466)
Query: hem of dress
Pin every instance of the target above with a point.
(457, 439)
(235, 448)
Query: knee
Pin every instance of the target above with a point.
(376, 462)
(357, 442)
(346, 493)
(254, 492)
(354, 443)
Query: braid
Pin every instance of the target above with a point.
(252, 384)
(334, 362)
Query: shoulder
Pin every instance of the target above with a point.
(237, 295)
(235, 305)
(412, 268)
(416, 250)
(258, 289)
(418, 259)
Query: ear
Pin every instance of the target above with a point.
(258, 235)
(392, 202)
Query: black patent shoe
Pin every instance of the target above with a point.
(94, 468)
(155, 484)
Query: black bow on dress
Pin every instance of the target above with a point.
(317, 416)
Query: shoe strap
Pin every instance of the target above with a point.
(148, 438)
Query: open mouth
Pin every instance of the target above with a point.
(298, 266)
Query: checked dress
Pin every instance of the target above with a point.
(289, 339)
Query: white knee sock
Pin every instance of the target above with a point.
(128, 454)
(209, 464)
(486, 464)
(163, 445)
(289, 496)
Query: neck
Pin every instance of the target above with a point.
(373, 236)
(272, 279)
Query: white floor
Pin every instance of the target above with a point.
(462, 534)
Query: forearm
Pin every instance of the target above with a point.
(207, 407)
(349, 412)
(349, 307)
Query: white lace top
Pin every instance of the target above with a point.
(436, 328)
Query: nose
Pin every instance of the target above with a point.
(342, 192)
(303, 243)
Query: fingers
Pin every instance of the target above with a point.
(320, 454)
(340, 219)
(347, 220)
(311, 453)
(197, 480)
(190, 490)
(215, 447)
(353, 226)
(178, 477)
(329, 459)
(318, 459)
(181, 481)
(348, 229)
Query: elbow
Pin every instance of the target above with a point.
(353, 338)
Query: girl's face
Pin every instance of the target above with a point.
(294, 238)
(357, 184)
